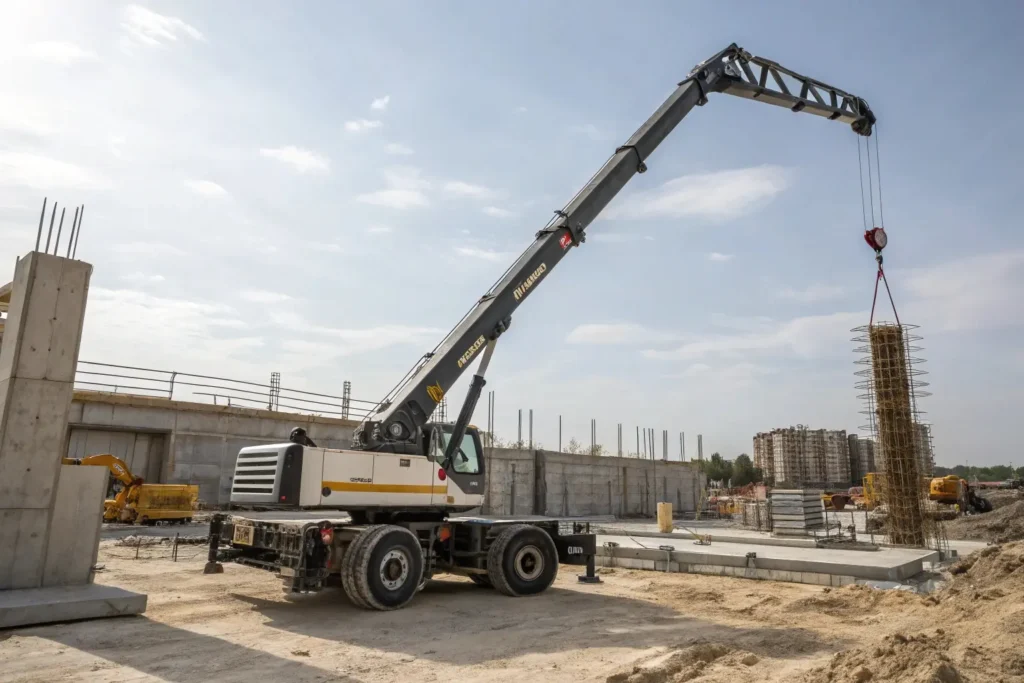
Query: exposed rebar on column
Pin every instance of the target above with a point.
(891, 393)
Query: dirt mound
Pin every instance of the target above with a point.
(1003, 525)
(990, 573)
(855, 600)
(677, 666)
(907, 659)
(1001, 498)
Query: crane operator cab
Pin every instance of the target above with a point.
(409, 477)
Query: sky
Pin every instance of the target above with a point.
(323, 189)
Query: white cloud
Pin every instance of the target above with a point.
(398, 149)
(142, 278)
(717, 195)
(338, 342)
(261, 296)
(149, 28)
(460, 188)
(154, 331)
(379, 229)
(381, 103)
(972, 293)
(482, 254)
(719, 257)
(813, 293)
(521, 110)
(497, 212)
(404, 190)
(302, 160)
(805, 337)
(148, 249)
(207, 188)
(616, 333)
(589, 130)
(361, 125)
(330, 247)
(44, 173)
(58, 52)
(719, 377)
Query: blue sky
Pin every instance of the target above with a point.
(324, 189)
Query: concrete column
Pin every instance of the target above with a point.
(38, 358)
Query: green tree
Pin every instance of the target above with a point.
(718, 468)
(743, 471)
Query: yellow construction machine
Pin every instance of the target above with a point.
(138, 502)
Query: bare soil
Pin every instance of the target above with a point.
(1003, 525)
(636, 627)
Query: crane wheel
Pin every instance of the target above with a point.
(348, 571)
(387, 567)
(481, 580)
(522, 560)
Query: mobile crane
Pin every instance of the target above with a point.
(405, 475)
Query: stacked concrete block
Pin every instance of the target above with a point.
(797, 512)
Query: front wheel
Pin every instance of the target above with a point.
(522, 560)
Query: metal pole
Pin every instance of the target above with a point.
(638, 441)
(56, 245)
(170, 391)
(645, 441)
(71, 238)
(559, 433)
(682, 447)
(531, 429)
(620, 440)
(664, 444)
(49, 233)
(74, 252)
(519, 437)
(593, 448)
(39, 232)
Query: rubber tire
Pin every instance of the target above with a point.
(501, 560)
(481, 580)
(379, 540)
(348, 569)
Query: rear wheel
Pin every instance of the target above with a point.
(348, 569)
(522, 560)
(388, 567)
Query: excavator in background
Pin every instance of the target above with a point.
(949, 490)
(138, 502)
(954, 490)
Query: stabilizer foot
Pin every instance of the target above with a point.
(213, 568)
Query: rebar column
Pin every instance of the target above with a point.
(895, 419)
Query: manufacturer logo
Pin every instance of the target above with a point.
(361, 480)
(574, 550)
(530, 281)
(471, 351)
(565, 240)
(435, 392)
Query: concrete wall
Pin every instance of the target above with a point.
(37, 370)
(563, 484)
(200, 442)
(195, 443)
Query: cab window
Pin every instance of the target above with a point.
(466, 459)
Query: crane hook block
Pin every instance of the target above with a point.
(876, 238)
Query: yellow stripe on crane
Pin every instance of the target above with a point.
(359, 487)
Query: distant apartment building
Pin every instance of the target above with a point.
(799, 456)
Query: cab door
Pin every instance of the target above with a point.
(438, 477)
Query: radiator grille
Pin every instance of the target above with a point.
(256, 473)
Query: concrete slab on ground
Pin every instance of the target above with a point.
(779, 563)
(67, 603)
